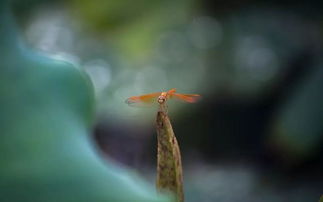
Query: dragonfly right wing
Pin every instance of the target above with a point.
(143, 100)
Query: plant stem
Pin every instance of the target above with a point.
(169, 165)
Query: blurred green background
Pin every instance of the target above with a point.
(67, 67)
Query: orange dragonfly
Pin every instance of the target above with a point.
(161, 98)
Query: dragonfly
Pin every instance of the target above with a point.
(161, 98)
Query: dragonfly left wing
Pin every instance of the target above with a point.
(191, 98)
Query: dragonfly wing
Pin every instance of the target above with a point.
(191, 98)
(143, 100)
(171, 91)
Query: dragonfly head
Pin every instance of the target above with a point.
(162, 98)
